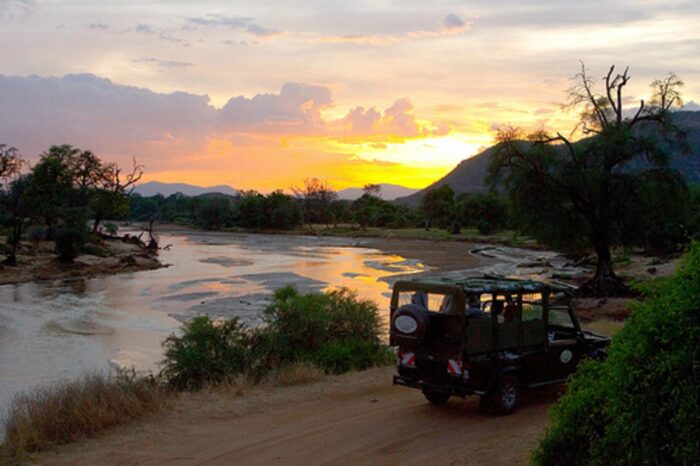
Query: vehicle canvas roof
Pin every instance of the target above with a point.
(487, 284)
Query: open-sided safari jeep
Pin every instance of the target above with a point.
(487, 336)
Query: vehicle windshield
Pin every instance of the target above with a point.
(559, 316)
(433, 302)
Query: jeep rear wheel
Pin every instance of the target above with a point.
(436, 398)
(504, 397)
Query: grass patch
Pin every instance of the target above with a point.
(605, 326)
(299, 373)
(66, 412)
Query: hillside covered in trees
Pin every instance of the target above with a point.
(471, 175)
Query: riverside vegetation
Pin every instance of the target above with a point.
(641, 405)
(304, 336)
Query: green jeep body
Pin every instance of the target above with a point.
(525, 335)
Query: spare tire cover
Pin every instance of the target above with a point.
(409, 325)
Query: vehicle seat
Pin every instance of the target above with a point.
(510, 312)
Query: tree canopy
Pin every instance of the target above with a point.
(582, 194)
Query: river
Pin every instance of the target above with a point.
(53, 331)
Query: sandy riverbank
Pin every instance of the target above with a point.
(37, 262)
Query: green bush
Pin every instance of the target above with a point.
(111, 229)
(36, 233)
(484, 227)
(207, 353)
(642, 405)
(300, 325)
(336, 331)
(69, 240)
(337, 357)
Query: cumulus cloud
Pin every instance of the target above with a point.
(296, 109)
(396, 121)
(181, 136)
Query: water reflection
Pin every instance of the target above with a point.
(59, 330)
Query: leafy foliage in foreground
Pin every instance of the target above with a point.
(334, 331)
(642, 405)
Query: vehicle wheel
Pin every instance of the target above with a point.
(504, 398)
(436, 398)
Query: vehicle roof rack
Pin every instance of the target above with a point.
(490, 283)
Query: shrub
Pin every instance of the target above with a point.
(456, 227)
(300, 325)
(69, 241)
(333, 331)
(484, 227)
(36, 233)
(66, 412)
(642, 405)
(111, 229)
(208, 352)
(337, 357)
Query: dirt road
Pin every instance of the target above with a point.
(351, 419)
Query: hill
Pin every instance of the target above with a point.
(389, 192)
(470, 175)
(166, 189)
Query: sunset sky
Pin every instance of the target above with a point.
(262, 94)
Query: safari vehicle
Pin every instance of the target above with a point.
(487, 336)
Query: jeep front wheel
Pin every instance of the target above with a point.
(436, 398)
(504, 397)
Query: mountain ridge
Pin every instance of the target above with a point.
(469, 176)
(152, 188)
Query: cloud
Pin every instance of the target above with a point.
(98, 26)
(296, 109)
(163, 64)
(180, 136)
(242, 23)
(449, 26)
(397, 121)
(162, 34)
(16, 9)
(95, 113)
(454, 22)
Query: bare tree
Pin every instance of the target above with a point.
(573, 191)
(317, 196)
(372, 190)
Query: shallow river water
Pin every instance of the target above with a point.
(53, 331)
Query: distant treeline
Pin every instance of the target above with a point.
(316, 203)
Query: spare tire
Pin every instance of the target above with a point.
(409, 325)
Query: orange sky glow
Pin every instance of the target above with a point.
(261, 95)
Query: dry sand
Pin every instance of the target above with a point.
(356, 418)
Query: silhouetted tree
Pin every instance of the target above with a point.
(317, 196)
(437, 205)
(579, 194)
